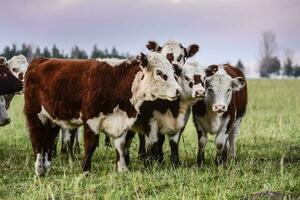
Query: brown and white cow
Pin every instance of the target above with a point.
(9, 86)
(168, 116)
(221, 112)
(96, 94)
(163, 117)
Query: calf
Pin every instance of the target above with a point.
(222, 110)
(108, 98)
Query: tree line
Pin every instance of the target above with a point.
(54, 52)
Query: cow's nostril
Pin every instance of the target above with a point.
(177, 92)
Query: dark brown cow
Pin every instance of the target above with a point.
(100, 95)
(222, 110)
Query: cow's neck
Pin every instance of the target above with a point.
(138, 91)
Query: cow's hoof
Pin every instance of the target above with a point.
(40, 170)
(47, 166)
(122, 169)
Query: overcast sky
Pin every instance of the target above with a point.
(226, 30)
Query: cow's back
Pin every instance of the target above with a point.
(57, 85)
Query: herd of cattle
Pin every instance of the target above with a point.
(152, 95)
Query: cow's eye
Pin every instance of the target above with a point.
(191, 84)
(179, 58)
(186, 78)
(228, 90)
(15, 69)
(210, 89)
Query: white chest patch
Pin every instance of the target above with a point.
(212, 123)
(45, 117)
(114, 124)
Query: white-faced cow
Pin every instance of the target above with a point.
(221, 112)
(9, 86)
(163, 117)
(95, 94)
(167, 116)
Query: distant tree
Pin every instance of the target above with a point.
(297, 71)
(56, 53)
(26, 50)
(240, 65)
(37, 53)
(269, 63)
(288, 69)
(106, 53)
(78, 53)
(114, 52)
(97, 53)
(46, 53)
(8, 52)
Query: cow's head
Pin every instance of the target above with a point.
(18, 66)
(4, 118)
(191, 80)
(174, 51)
(158, 81)
(220, 86)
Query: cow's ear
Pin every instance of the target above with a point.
(238, 83)
(153, 46)
(143, 60)
(191, 50)
(3, 60)
(211, 70)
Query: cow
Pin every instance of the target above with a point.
(18, 66)
(163, 117)
(101, 96)
(149, 136)
(221, 112)
(9, 85)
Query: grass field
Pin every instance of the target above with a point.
(268, 160)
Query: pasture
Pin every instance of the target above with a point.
(268, 159)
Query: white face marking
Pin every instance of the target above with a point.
(112, 61)
(176, 49)
(3, 111)
(187, 79)
(39, 165)
(44, 116)
(153, 84)
(119, 144)
(17, 65)
(152, 137)
(113, 124)
(219, 90)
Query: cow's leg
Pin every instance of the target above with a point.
(128, 140)
(65, 140)
(76, 144)
(232, 139)
(119, 144)
(202, 141)
(91, 141)
(157, 149)
(222, 144)
(51, 134)
(54, 148)
(142, 148)
(150, 139)
(37, 137)
(70, 145)
(174, 141)
(107, 141)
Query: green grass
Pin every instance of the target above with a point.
(268, 159)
